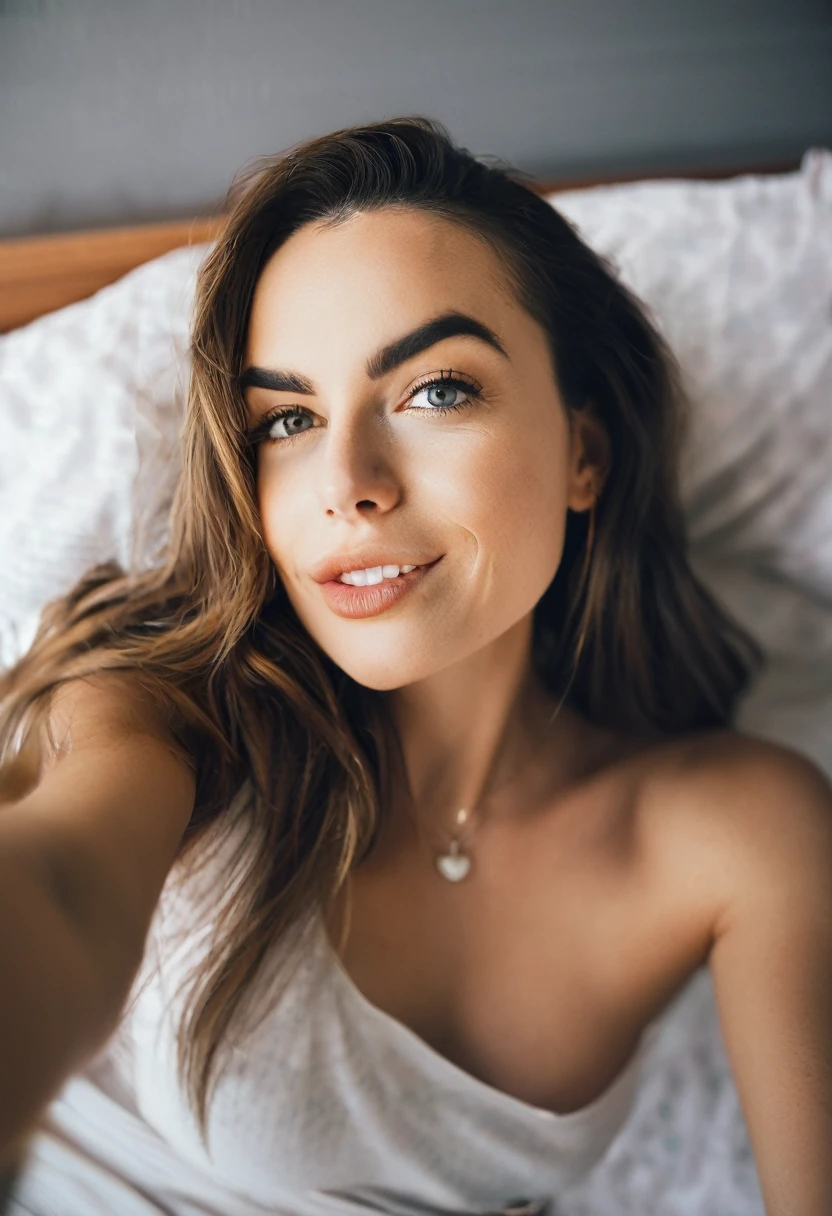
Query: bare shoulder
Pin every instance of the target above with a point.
(732, 816)
(112, 717)
(113, 797)
(110, 705)
(111, 762)
(89, 715)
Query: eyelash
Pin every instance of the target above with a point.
(450, 379)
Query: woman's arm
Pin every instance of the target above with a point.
(771, 964)
(83, 858)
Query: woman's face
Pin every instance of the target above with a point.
(370, 467)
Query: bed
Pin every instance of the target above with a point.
(736, 268)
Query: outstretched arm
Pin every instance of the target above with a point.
(771, 964)
(83, 858)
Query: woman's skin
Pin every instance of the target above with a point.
(605, 869)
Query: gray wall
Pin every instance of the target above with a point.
(114, 112)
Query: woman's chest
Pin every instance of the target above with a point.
(538, 973)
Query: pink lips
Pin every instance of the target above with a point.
(357, 602)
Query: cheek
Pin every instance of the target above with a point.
(515, 491)
(278, 519)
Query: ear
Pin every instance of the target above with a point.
(589, 458)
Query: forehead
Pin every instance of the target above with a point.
(380, 269)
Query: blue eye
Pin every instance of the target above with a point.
(446, 390)
(287, 424)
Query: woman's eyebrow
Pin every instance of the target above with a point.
(448, 325)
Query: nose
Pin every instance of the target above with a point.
(356, 476)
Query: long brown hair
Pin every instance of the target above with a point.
(284, 743)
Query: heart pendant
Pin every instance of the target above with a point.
(453, 866)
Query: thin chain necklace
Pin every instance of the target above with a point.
(454, 862)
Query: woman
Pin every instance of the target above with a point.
(424, 699)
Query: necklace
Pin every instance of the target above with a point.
(454, 863)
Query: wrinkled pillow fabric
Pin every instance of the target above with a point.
(91, 401)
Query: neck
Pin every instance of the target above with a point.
(472, 728)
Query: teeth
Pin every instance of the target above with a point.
(373, 575)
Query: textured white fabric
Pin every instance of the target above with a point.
(91, 401)
(683, 1151)
(738, 276)
(328, 1105)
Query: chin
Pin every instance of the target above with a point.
(382, 662)
(379, 675)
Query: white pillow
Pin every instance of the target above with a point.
(736, 273)
(91, 399)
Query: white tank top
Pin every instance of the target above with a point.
(326, 1105)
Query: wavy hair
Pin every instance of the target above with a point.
(285, 745)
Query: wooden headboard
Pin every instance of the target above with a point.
(40, 274)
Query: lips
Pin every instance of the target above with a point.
(356, 603)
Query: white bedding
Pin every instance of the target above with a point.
(739, 277)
